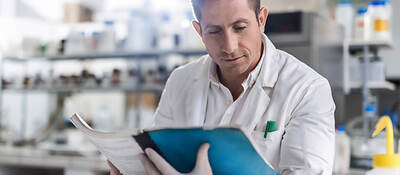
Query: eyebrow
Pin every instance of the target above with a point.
(240, 20)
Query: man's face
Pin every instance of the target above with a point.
(232, 34)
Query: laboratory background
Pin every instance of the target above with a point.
(108, 60)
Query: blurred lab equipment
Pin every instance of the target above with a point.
(362, 26)
(108, 38)
(389, 163)
(189, 39)
(342, 151)
(381, 14)
(104, 120)
(77, 12)
(140, 32)
(166, 34)
(362, 147)
(30, 47)
(344, 16)
(76, 43)
(376, 70)
(314, 39)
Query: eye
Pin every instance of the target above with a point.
(213, 32)
(239, 29)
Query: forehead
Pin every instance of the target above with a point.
(222, 12)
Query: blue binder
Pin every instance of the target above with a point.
(231, 152)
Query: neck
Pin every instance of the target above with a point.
(234, 82)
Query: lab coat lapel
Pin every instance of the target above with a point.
(253, 108)
(258, 100)
(196, 101)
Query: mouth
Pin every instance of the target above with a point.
(234, 59)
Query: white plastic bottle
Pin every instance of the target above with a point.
(166, 35)
(344, 16)
(108, 38)
(389, 163)
(140, 32)
(362, 25)
(342, 151)
(381, 20)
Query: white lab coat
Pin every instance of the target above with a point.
(286, 91)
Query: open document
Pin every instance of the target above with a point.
(231, 149)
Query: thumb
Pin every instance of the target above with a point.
(162, 165)
(203, 166)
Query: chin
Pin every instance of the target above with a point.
(237, 70)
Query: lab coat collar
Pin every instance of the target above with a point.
(255, 74)
(213, 75)
(248, 82)
(269, 72)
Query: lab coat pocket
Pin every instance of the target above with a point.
(269, 147)
(271, 136)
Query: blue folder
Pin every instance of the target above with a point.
(230, 153)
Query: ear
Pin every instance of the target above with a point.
(262, 18)
(197, 27)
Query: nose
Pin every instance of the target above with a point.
(230, 43)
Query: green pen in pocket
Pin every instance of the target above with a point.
(269, 128)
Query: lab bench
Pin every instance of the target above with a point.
(38, 158)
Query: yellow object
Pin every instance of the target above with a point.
(381, 25)
(388, 160)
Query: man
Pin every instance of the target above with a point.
(246, 81)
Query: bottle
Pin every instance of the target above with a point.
(369, 118)
(108, 39)
(362, 27)
(166, 35)
(380, 20)
(344, 16)
(389, 163)
(342, 151)
(140, 32)
(76, 43)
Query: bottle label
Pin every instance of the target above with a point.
(381, 25)
(360, 24)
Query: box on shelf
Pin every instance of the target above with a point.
(76, 12)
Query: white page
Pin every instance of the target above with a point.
(119, 147)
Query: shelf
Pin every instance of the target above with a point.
(355, 45)
(146, 88)
(134, 55)
(374, 85)
(35, 157)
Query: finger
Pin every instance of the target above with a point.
(114, 170)
(148, 166)
(202, 161)
(162, 165)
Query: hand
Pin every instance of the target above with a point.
(156, 165)
(114, 170)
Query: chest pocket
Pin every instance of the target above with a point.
(269, 147)
(271, 137)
